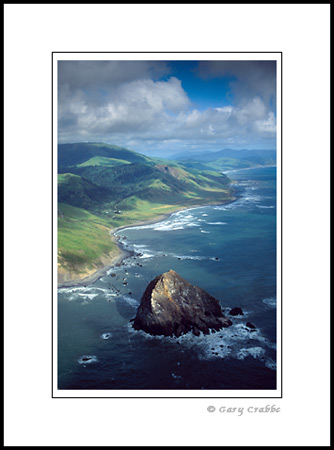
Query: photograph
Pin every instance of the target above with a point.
(168, 224)
(166, 249)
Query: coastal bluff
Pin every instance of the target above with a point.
(171, 306)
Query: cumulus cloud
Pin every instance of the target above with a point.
(131, 107)
(249, 79)
(107, 74)
(127, 103)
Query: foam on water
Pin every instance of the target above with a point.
(106, 335)
(270, 302)
(270, 364)
(87, 359)
(170, 227)
(190, 257)
(147, 255)
(67, 290)
(87, 294)
(176, 377)
(232, 342)
(256, 352)
(217, 223)
(129, 300)
(177, 221)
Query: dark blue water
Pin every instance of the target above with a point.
(228, 250)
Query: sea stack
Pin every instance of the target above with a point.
(172, 306)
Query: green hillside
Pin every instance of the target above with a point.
(77, 191)
(103, 161)
(78, 153)
(83, 240)
(97, 192)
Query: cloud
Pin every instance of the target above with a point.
(99, 75)
(126, 102)
(249, 79)
(136, 106)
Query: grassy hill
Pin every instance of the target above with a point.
(81, 152)
(84, 242)
(77, 191)
(102, 186)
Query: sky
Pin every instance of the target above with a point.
(162, 108)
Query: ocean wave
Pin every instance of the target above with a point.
(191, 257)
(67, 290)
(147, 255)
(177, 221)
(206, 232)
(87, 294)
(129, 300)
(271, 301)
(217, 223)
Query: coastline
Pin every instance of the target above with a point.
(89, 279)
(118, 259)
(249, 168)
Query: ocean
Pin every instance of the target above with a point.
(229, 251)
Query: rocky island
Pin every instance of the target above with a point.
(172, 306)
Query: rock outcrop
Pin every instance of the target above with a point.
(172, 306)
(236, 312)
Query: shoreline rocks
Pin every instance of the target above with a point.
(236, 312)
(172, 306)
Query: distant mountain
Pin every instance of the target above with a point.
(227, 159)
(212, 156)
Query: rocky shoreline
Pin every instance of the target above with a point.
(123, 253)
